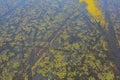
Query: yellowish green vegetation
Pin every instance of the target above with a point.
(58, 40)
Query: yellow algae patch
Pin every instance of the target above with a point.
(94, 11)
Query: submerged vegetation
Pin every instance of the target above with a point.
(59, 40)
